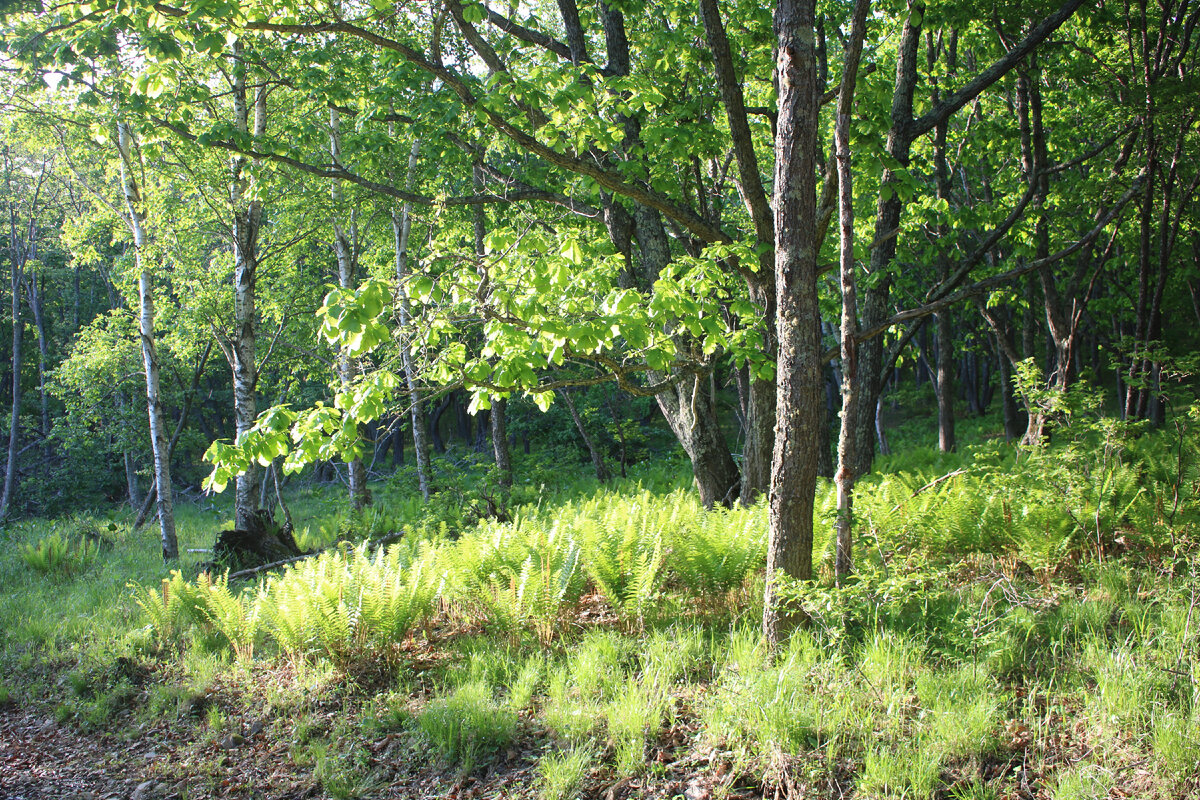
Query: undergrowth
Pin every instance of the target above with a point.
(1020, 620)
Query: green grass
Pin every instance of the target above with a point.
(606, 633)
(468, 725)
(562, 773)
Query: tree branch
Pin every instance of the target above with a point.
(956, 100)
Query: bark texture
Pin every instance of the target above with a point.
(158, 436)
(247, 223)
(401, 230)
(345, 236)
(794, 466)
(845, 476)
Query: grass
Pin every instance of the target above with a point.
(562, 773)
(468, 725)
(985, 641)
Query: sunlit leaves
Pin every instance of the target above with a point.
(353, 319)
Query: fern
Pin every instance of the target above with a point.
(521, 574)
(622, 549)
(163, 606)
(234, 617)
(59, 554)
(717, 553)
(344, 604)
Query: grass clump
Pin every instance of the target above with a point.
(468, 726)
(904, 772)
(562, 773)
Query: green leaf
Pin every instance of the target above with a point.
(571, 252)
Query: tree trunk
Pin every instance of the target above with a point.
(794, 464)
(1008, 400)
(691, 415)
(945, 333)
(397, 444)
(36, 306)
(760, 438)
(462, 420)
(844, 477)
(500, 442)
(760, 412)
(347, 254)
(435, 422)
(131, 480)
(158, 437)
(247, 215)
(188, 400)
(602, 473)
(880, 434)
(887, 222)
(14, 429)
(687, 406)
(129, 462)
(945, 384)
(401, 227)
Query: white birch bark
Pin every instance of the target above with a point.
(247, 215)
(401, 227)
(344, 248)
(158, 436)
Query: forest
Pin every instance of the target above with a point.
(614, 399)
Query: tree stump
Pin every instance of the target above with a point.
(263, 541)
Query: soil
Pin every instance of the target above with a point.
(41, 759)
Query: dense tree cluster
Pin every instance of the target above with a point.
(745, 213)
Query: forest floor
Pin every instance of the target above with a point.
(43, 759)
(606, 646)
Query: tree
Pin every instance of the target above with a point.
(134, 204)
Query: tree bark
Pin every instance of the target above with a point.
(760, 413)
(36, 306)
(945, 383)
(942, 319)
(794, 463)
(158, 437)
(602, 473)
(401, 228)
(845, 476)
(188, 400)
(247, 223)
(887, 221)
(346, 251)
(17, 264)
(500, 442)
(688, 407)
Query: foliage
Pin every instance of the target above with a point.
(60, 555)
(347, 604)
